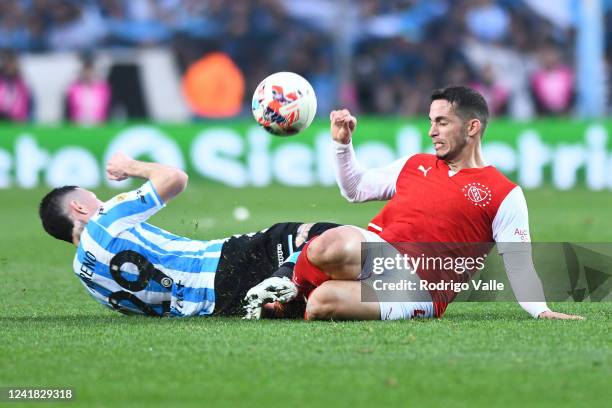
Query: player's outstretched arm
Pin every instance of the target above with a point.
(527, 286)
(167, 180)
(515, 249)
(356, 183)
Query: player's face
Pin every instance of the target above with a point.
(448, 131)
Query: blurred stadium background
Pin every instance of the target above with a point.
(89, 75)
(171, 81)
(526, 56)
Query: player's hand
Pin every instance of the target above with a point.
(342, 125)
(118, 166)
(549, 314)
(269, 290)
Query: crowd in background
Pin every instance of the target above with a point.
(464, 42)
(399, 50)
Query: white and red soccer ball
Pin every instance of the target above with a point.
(284, 104)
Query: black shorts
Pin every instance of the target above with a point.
(248, 259)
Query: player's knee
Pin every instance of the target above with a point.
(321, 304)
(316, 251)
(335, 246)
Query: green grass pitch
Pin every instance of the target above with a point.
(52, 334)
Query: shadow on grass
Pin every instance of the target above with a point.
(478, 313)
(82, 320)
(117, 319)
(479, 316)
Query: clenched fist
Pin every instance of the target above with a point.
(118, 167)
(342, 125)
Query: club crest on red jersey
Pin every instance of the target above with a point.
(477, 193)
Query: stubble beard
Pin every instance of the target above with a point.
(459, 146)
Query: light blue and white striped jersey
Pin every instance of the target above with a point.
(134, 267)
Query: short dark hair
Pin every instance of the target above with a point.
(53, 215)
(467, 102)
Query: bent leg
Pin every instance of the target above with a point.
(337, 252)
(340, 300)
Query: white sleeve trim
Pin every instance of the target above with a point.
(358, 184)
(511, 223)
(157, 198)
(535, 308)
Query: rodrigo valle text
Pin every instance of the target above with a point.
(403, 285)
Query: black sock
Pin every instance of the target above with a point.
(285, 270)
(321, 227)
(317, 229)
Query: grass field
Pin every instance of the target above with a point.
(52, 334)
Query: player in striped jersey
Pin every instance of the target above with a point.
(137, 268)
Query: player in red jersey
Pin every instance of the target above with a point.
(452, 196)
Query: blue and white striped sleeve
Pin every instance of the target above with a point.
(126, 210)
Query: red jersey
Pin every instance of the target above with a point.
(434, 210)
(431, 206)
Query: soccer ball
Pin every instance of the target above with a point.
(284, 104)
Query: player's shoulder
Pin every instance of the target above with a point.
(497, 183)
(498, 179)
(422, 158)
(84, 261)
(113, 208)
